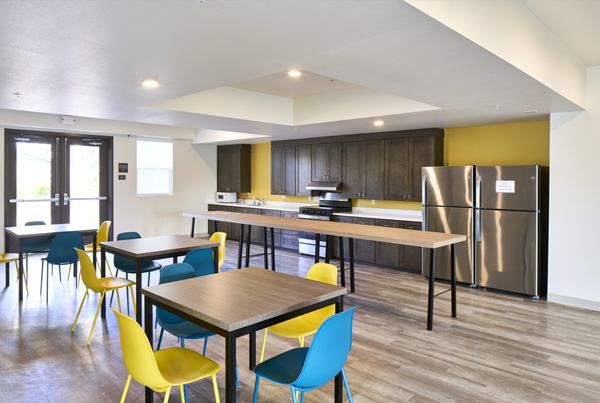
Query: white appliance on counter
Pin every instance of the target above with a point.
(224, 197)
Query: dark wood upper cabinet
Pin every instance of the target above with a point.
(327, 162)
(303, 169)
(233, 168)
(283, 170)
(363, 169)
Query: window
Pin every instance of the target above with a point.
(154, 167)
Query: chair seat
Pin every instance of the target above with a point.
(90, 248)
(115, 282)
(179, 365)
(284, 368)
(146, 267)
(296, 327)
(187, 330)
(9, 257)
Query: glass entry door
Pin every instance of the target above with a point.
(57, 178)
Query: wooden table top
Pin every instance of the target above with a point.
(158, 245)
(425, 239)
(32, 231)
(238, 298)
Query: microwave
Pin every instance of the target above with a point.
(223, 197)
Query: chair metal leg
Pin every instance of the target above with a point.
(301, 340)
(113, 293)
(255, 389)
(47, 275)
(119, 301)
(205, 343)
(262, 352)
(214, 378)
(133, 300)
(182, 342)
(167, 393)
(79, 311)
(295, 400)
(126, 388)
(96, 317)
(162, 331)
(183, 395)
(346, 386)
(42, 277)
(301, 396)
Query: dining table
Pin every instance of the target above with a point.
(236, 303)
(142, 250)
(424, 239)
(22, 233)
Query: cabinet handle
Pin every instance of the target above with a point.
(386, 225)
(409, 196)
(411, 227)
(404, 197)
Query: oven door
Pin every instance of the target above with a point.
(307, 240)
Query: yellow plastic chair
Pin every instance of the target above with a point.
(160, 370)
(309, 323)
(101, 237)
(6, 258)
(98, 285)
(220, 238)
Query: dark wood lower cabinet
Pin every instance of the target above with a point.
(364, 251)
(388, 254)
(412, 256)
(221, 226)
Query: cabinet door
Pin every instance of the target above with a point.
(336, 242)
(235, 228)
(319, 162)
(334, 162)
(223, 170)
(221, 226)
(396, 162)
(354, 169)
(235, 161)
(412, 255)
(364, 251)
(388, 254)
(420, 155)
(303, 169)
(289, 168)
(277, 170)
(256, 234)
(374, 154)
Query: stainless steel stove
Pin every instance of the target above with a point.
(329, 203)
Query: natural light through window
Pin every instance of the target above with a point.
(154, 167)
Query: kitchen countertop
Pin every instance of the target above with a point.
(359, 212)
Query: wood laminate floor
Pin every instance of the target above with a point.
(501, 348)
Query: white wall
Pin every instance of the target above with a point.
(574, 266)
(194, 173)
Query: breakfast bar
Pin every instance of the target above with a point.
(424, 239)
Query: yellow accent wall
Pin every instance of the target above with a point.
(511, 144)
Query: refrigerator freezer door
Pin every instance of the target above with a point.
(448, 186)
(455, 221)
(508, 187)
(506, 257)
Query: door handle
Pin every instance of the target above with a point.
(65, 199)
(424, 190)
(56, 199)
(478, 193)
(478, 225)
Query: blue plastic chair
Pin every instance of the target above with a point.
(305, 369)
(174, 324)
(128, 266)
(62, 251)
(201, 260)
(37, 246)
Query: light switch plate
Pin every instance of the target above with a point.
(283, 197)
(372, 201)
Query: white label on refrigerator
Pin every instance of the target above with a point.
(505, 186)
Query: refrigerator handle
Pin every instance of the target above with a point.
(478, 193)
(424, 190)
(478, 225)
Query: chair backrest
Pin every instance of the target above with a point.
(325, 273)
(122, 263)
(168, 274)
(220, 237)
(103, 233)
(137, 354)
(88, 274)
(63, 246)
(328, 351)
(201, 260)
(39, 245)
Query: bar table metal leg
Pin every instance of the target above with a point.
(21, 269)
(342, 263)
(138, 290)
(241, 246)
(272, 249)
(265, 248)
(317, 247)
(248, 245)
(431, 289)
(193, 223)
(453, 277)
(351, 253)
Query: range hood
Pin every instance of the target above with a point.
(330, 186)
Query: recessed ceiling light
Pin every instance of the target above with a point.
(294, 73)
(531, 111)
(378, 122)
(150, 82)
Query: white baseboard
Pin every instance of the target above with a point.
(578, 302)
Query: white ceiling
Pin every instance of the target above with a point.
(87, 58)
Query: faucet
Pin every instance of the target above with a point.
(258, 201)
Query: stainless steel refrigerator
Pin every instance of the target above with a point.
(503, 210)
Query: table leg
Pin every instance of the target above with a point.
(7, 273)
(342, 263)
(216, 259)
(138, 290)
(317, 247)
(230, 363)
(193, 224)
(241, 246)
(214, 226)
(174, 259)
(265, 248)
(327, 246)
(252, 350)
(95, 259)
(74, 272)
(453, 277)
(272, 249)
(248, 245)
(21, 269)
(338, 382)
(351, 253)
(431, 289)
(148, 326)
(103, 274)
